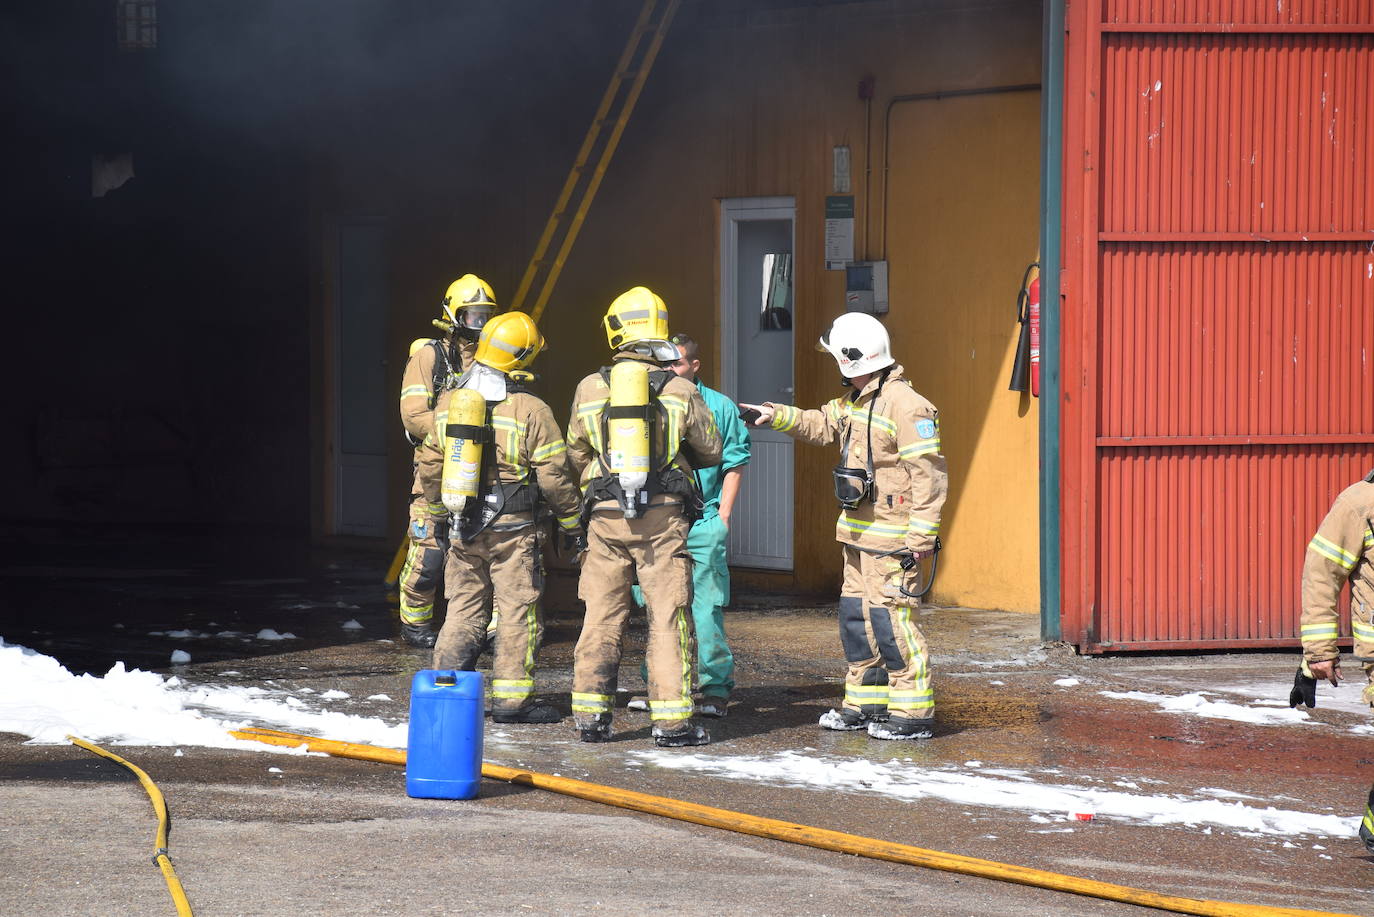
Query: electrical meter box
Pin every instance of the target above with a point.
(865, 287)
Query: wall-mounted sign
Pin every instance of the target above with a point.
(839, 231)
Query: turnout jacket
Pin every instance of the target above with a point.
(684, 435)
(909, 478)
(1342, 549)
(418, 395)
(529, 450)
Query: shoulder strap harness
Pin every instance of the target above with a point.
(662, 480)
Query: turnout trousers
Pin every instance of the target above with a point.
(504, 570)
(708, 542)
(887, 654)
(424, 562)
(654, 546)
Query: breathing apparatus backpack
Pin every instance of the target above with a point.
(632, 460)
(470, 486)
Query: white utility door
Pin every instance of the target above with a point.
(756, 365)
(361, 403)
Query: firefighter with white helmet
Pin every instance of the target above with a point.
(636, 433)
(890, 484)
(494, 459)
(434, 366)
(1341, 551)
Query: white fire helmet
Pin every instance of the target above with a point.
(859, 343)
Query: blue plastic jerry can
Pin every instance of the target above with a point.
(444, 753)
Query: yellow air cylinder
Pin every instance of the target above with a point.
(627, 446)
(418, 343)
(467, 411)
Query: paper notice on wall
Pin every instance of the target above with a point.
(839, 231)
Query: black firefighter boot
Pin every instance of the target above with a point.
(688, 734)
(1367, 824)
(420, 635)
(595, 728)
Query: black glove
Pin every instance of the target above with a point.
(574, 544)
(441, 530)
(1304, 689)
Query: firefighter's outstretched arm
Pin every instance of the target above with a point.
(818, 427)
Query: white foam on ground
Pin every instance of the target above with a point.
(1346, 697)
(42, 700)
(1197, 704)
(910, 782)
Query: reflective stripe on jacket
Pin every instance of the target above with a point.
(909, 471)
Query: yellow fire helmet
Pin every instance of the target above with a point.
(638, 314)
(509, 342)
(468, 304)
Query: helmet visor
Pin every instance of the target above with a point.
(474, 317)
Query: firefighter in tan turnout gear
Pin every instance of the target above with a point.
(891, 487)
(433, 367)
(636, 433)
(1342, 551)
(496, 450)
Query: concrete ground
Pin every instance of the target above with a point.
(336, 836)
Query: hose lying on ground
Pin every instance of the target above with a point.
(160, 857)
(803, 834)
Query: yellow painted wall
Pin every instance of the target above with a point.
(957, 258)
(748, 100)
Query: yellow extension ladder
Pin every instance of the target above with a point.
(582, 183)
(618, 103)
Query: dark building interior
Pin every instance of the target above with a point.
(160, 370)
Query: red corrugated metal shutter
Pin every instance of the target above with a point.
(1218, 320)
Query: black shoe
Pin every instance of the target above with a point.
(536, 713)
(418, 635)
(594, 728)
(901, 727)
(680, 738)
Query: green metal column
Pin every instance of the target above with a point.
(1051, 220)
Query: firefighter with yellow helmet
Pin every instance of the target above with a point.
(636, 433)
(890, 484)
(434, 366)
(493, 459)
(1341, 551)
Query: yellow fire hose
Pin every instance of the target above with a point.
(790, 832)
(160, 857)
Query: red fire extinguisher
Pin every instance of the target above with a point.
(1034, 310)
